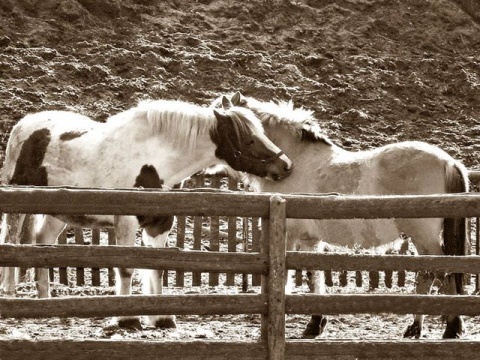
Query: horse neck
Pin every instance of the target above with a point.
(307, 158)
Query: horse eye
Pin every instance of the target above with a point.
(250, 142)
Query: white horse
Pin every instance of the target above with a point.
(156, 144)
(410, 167)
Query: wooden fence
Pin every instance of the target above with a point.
(271, 263)
(237, 234)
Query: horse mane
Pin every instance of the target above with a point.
(298, 121)
(183, 122)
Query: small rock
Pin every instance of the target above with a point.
(5, 41)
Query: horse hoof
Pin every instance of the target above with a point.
(132, 323)
(167, 323)
(455, 329)
(413, 332)
(449, 334)
(315, 327)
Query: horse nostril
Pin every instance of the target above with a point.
(287, 168)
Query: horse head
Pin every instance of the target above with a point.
(242, 143)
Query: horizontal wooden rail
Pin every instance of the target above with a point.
(311, 260)
(103, 256)
(223, 203)
(105, 306)
(424, 349)
(383, 303)
(474, 175)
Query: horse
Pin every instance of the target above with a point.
(321, 166)
(156, 144)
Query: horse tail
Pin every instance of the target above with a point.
(456, 239)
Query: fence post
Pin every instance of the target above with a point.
(276, 279)
(265, 250)
(214, 232)
(62, 272)
(80, 271)
(112, 240)
(95, 271)
(232, 232)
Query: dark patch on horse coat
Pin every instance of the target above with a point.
(148, 178)
(70, 135)
(153, 225)
(29, 169)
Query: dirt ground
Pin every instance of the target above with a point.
(374, 72)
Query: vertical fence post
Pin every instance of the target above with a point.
(112, 240)
(256, 238)
(197, 233)
(477, 244)
(265, 250)
(62, 272)
(80, 271)
(232, 232)
(95, 271)
(181, 225)
(276, 279)
(214, 232)
(477, 252)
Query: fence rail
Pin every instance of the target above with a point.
(228, 239)
(272, 303)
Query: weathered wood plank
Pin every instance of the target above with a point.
(138, 257)
(197, 232)
(79, 240)
(62, 240)
(424, 349)
(256, 238)
(95, 270)
(370, 262)
(265, 251)
(224, 203)
(111, 241)
(214, 233)
(132, 349)
(276, 280)
(105, 306)
(232, 233)
(181, 227)
(383, 303)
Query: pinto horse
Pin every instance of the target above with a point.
(156, 144)
(410, 167)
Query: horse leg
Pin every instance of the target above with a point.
(289, 281)
(455, 325)
(47, 234)
(425, 235)
(27, 236)
(10, 234)
(424, 282)
(316, 283)
(152, 279)
(125, 231)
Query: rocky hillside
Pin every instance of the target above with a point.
(374, 71)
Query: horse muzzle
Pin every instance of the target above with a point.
(280, 168)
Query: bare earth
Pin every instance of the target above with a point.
(374, 72)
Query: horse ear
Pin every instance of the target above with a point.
(236, 98)
(227, 104)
